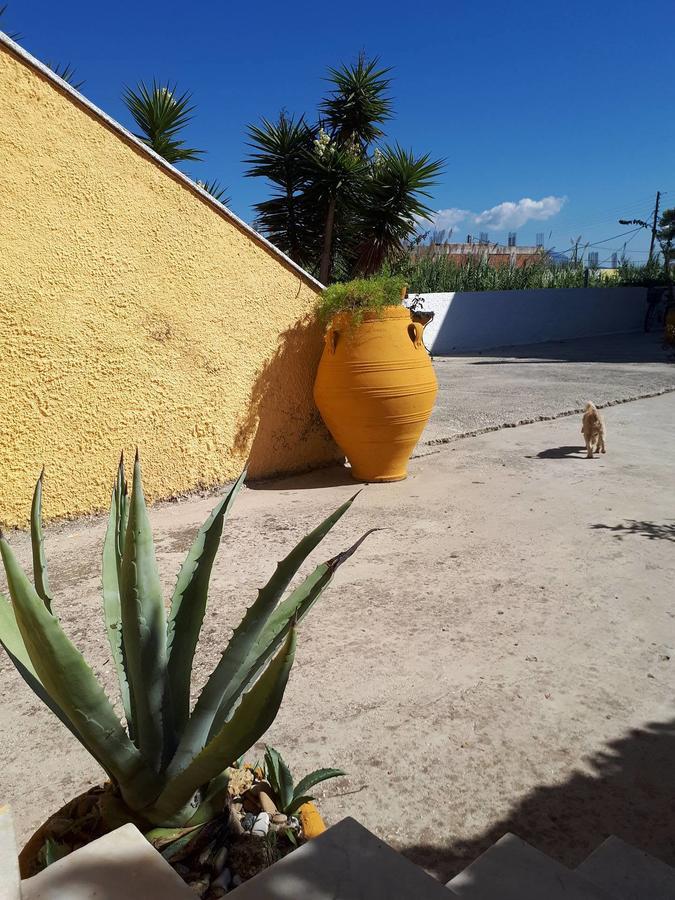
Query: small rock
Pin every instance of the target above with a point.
(664, 657)
(531, 659)
(199, 887)
(220, 860)
(279, 819)
(223, 880)
(649, 675)
(236, 881)
(248, 821)
(261, 825)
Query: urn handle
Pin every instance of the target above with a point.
(415, 331)
(331, 339)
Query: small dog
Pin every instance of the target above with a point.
(593, 430)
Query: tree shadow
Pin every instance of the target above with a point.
(282, 431)
(611, 348)
(654, 531)
(627, 789)
(562, 453)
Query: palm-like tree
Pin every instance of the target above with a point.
(161, 114)
(358, 103)
(14, 35)
(281, 153)
(340, 204)
(217, 190)
(398, 181)
(67, 73)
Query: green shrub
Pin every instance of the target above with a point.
(360, 295)
(429, 274)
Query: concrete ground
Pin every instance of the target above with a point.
(510, 385)
(499, 657)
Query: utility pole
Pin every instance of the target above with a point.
(656, 218)
(646, 225)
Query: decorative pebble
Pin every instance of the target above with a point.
(199, 887)
(261, 825)
(248, 821)
(223, 880)
(279, 819)
(267, 804)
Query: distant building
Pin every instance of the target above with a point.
(482, 250)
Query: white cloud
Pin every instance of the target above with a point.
(505, 215)
(514, 215)
(449, 218)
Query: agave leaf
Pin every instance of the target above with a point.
(11, 640)
(225, 683)
(309, 781)
(296, 803)
(285, 784)
(255, 714)
(112, 609)
(272, 767)
(189, 604)
(38, 546)
(291, 610)
(144, 629)
(71, 684)
(214, 802)
(280, 777)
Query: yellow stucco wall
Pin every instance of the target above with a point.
(133, 312)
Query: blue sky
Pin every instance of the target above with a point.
(564, 111)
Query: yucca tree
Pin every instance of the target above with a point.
(161, 114)
(67, 73)
(217, 190)
(281, 152)
(398, 181)
(14, 35)
(340, 202)
(166, 763)
(358, 102)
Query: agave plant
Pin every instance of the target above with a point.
(289, 797)
(165, 762)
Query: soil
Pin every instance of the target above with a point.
(498, 658)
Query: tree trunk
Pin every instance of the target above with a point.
(327, 252)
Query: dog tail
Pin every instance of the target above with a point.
(590, 407)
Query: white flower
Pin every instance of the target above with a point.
(322, 143)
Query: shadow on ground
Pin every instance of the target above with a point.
(628, 791)
(561, 453)
(654, 531)
(330, 476)
(629, 348)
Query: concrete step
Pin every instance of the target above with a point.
(121, 865)
(513, 870)
(627, 873)
(347, 862)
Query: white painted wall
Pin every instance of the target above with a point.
(479, 320)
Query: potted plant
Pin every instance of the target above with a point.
(171, 770)
(376, 386)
